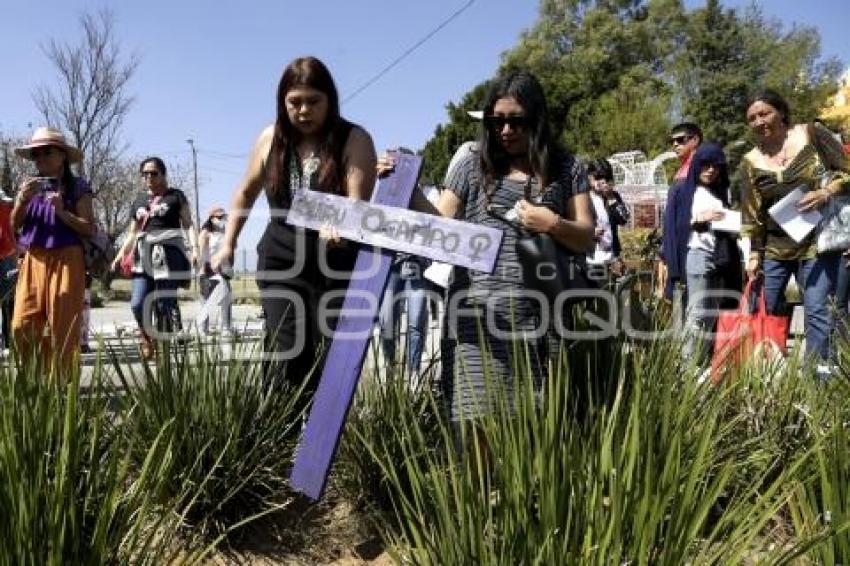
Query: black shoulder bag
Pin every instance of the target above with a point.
(547, 266)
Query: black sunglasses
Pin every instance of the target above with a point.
(42, 152)
(498, 122)
(680, 140)
(153, 174)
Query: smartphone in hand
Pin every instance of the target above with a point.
(46, 184)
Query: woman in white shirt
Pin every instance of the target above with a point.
(713, 256)
(610, 212)
(210, 240)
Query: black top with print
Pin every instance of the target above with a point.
(165, 213)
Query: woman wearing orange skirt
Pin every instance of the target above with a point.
(52, 212)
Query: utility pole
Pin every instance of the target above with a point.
(191, 143)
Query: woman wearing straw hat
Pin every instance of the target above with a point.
(52, 212)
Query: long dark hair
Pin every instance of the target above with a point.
(67, 179)
(601, 169)
(523, 87)
(307, 72)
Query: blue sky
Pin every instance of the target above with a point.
(209, 70)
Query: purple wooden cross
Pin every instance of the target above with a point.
(345, 357)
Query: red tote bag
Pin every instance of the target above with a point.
(742, 335)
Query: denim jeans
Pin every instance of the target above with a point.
(817, 279)
(412, 292)
(842, 298)
(165, 309)
(704, 284)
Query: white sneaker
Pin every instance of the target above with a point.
(823, 372)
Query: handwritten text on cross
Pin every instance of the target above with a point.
(399, 229)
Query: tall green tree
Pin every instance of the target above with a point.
(600, 63)
(792, 63)
(729, 54)
(619, 73)
(714, 73)
(448, 137)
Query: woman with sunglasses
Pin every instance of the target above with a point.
(788, 157)
(310, 145)
(610, 212)
(211, 237)
(518, 180)
(713, 266)
(52, 212)
(157, 243)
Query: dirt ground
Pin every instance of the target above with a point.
(330, 532)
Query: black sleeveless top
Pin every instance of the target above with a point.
(279, 244)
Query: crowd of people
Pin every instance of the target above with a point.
(514, 177)
(45, 273)
(702, 252)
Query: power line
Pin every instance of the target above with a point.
(221, 154)
(225, 171)
(407, 52)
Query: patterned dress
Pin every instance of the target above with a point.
(491, 327)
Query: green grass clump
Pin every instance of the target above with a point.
(69, 490)
(646, 472)
(233, 437)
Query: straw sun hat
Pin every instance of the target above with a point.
(43, 137)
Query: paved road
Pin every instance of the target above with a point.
(115, 327)
(116, 319)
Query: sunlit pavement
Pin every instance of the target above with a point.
(114, 337)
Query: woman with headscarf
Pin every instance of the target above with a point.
(713, 264)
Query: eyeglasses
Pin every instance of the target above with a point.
(680, 140)
(151, 174)
(42, 152)
(498, 122)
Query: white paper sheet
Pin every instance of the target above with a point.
(731, 221)
(795, 223)
(439, 273)
(744, 244)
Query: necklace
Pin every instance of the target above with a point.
(777, 157)
(310, 164)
